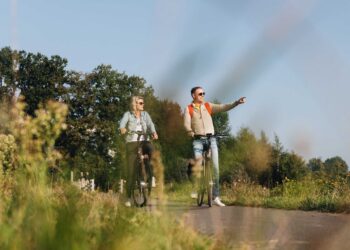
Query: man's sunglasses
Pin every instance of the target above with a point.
(141, 103)
(201, 94)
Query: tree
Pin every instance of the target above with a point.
(40, 79)
(336, 166)
(221, 122)
(277, 150)
(247, 151)
(265, 177)
(97, 101)
(174, 141)
(292, 166)
(8, 73)
(316, 165)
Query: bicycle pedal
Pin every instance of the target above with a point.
(143, 184)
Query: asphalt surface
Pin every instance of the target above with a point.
(260, 228)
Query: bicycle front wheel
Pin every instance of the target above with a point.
(209, 183)
(140, 194)
(201, 188)
(200, 194)
(140, 190)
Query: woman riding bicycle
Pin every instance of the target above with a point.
(136, 120)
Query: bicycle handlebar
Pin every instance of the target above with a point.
(208, 136)
(147, 136)
(138, 133)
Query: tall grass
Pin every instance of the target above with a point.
(319, 193)
(38, 214)
(310, 193)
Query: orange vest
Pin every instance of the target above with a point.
(207, 106)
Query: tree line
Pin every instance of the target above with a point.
(96, 102)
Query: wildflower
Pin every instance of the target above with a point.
(111, 153)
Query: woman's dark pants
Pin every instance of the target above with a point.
(131, 154)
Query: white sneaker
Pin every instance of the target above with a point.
(153, 181)
(218, 202)
(194, 195)
(127, 204)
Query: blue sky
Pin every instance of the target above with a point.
(289, 58)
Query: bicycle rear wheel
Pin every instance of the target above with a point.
(149, 175)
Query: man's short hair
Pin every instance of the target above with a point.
(193, 90)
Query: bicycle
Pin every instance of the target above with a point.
(142, 186)
(205, 182)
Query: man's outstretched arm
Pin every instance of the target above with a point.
(225, 107)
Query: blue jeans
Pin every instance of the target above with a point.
(198, 145)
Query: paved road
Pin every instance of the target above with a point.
(260, 228)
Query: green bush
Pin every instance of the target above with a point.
(37, 214)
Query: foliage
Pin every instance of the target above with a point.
(174, 142)
(308, 193)
(221, 122)
(336, 166)
(245, 156)
(316, 165)
(8, 76)
(36, 77)
(7, 152)
(292, 166)
(332, 168)
(37, 215)
(285, 164)
(96, 102)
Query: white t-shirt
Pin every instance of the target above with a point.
(138, 128)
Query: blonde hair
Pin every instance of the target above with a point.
(134, 101)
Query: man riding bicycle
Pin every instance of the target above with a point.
(198, 122)
(136, 120)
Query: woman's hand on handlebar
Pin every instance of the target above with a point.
(155, 136)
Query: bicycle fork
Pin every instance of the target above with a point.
(208, 158)
(143, 168)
